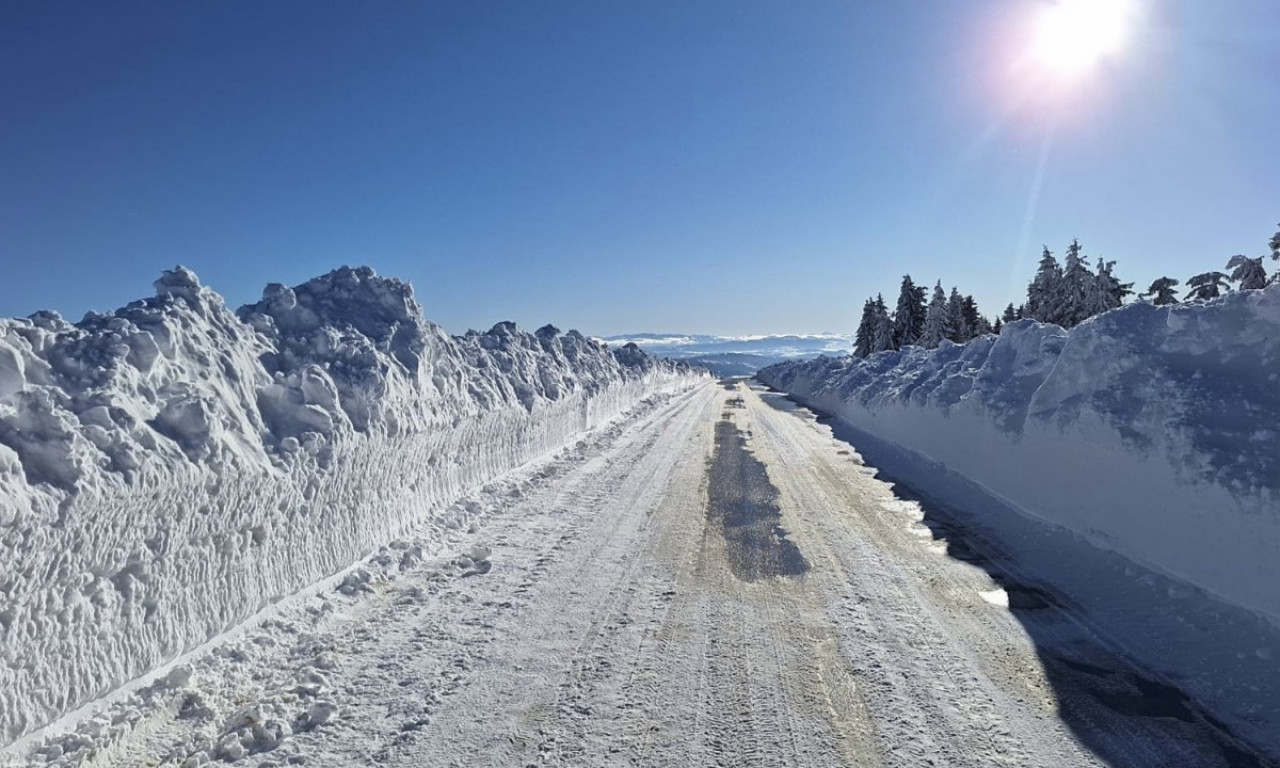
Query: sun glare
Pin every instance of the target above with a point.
(1074, 36)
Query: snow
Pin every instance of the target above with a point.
(170, 468)
(1149, 431)
(610, 630)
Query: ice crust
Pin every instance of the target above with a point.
(170, 468)
(1151, 431)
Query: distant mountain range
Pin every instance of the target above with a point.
(735, 355)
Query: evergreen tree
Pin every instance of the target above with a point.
(1011, 314)
(1076, 284)
(1275, 254)
(1105, 291)
(1162, 292)
(997, 326)
(935, 319)
(865, 337)
(1209, 285)
(955, 317)
(920, 306)
(881, 326)
(974, 324)
(1044, 294)
(908, 318)
(1249, 273)
(1119, 291)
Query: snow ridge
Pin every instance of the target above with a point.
(172, 467)
(1151, 431)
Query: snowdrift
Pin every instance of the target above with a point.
(1150, 431)
(171, 468)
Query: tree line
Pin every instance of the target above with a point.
(1066, 293)
(915, 322)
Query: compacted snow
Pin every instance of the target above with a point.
(1150, 431)
(173, 467)
(715, 579)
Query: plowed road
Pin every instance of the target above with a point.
(715, 582)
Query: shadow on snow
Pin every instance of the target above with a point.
(1114, 707)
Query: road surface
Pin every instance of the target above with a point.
(714, 582)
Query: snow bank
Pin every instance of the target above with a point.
(170, 468)
(1151, 431)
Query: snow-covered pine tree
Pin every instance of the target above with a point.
(955, 317)
(882, 326)
(1209, 285)
(1249, 273)
(1097, 299)
(974, 323)
(1105, 292)
(1044, 294)
(1076, 282)
(1119, 291)
(1274, 245)
(920, 306)
(1162, 292)
(935, 319)
(865, 337)
(908, 318)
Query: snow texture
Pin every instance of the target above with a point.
(171, 468)
(1151, 431)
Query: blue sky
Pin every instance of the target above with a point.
(744, 166)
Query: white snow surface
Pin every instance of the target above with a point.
(1150, 431)
(170, 468)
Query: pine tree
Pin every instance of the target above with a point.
(1119, 291)
(1209, 285)
(919, 305)
(1011, 314)
(997, 326)
(908, 318)
(881, 326)
(1162, 292)
(1105, 292)
(1044, 294)
(865, 337)
(1249, 273)
(1076, 286)
(935, 319)
(1274, 244)
(955, 317)
(974, 323)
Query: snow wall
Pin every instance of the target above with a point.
(171, 468)
(1151, 431)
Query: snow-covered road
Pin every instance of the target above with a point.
(715, 581)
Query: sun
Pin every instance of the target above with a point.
(1074, 36)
